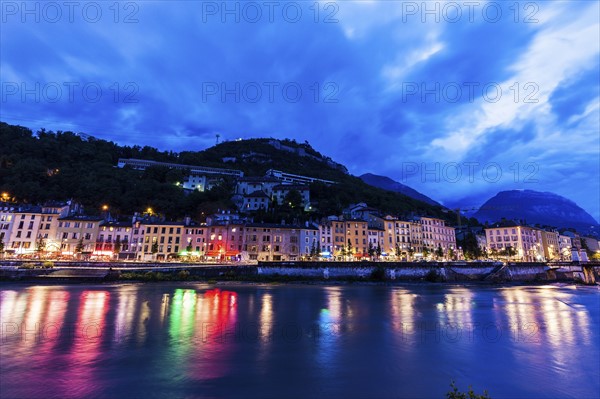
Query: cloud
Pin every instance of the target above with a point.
(352, 62)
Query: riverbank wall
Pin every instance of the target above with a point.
(492, 272)
(434, 271)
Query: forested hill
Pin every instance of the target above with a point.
(46, 165)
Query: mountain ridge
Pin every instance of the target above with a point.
(537, 207)
(389, 184)
(47, 165)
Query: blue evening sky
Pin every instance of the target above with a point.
(458, 100)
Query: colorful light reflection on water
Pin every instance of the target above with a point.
(174, 340)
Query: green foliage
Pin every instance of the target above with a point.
(398, 250)
(27, 265)
(586, 248)
(40, 244)
(454, 393)
(48, 264)
(60, 165)
(509, 252)
(1, 246)
(293, 199)
(150, 276)
(331, 200)
(378, 274)
(183, 275)
(128, 276)
(117, 246)
(494, 253)
(158, 276)
(313, 251)
(432, 276)
(470, 247)
(79, 247)
(230, 275)
(439, 252)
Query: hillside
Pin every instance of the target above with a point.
(63, 165)
(536, 207)
(386, 183)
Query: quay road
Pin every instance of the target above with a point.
(132, 266)
(410, 271)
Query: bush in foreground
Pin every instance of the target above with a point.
(378, 273)
(454, 393)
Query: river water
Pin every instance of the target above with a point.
(184, 340)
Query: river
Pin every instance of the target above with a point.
(188, 340)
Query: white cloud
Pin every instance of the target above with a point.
(558, 51)
(405, 62)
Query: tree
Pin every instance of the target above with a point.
(411, 251)
(439, 252)
(313, 250)
(470, 246)
(343, 252)
(293, 199)
(189, 247)
(586, 248)
(509, 251)
(154, 248)
(84, 170)
(378, 250)
(485, 253)
(451, 253)
(398, 251)
(80, 246)
(494, 253)
(1, 246)
(454, 393)
(350, 249)
(371, 250)
(425, 252)
(117, 246)
(40, 245)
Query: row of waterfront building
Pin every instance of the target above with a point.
(63, 230)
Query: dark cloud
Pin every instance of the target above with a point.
(159, 75)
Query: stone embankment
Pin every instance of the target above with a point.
(437, 271)
(494, 272)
